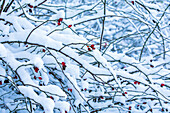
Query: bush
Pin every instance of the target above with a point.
(84, 56)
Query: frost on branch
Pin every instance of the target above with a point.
(84, 56)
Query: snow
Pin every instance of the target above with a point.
(55, 90)
(3, 51)
(90, 80)
(47, 103)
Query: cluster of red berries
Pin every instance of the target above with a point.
(92, 47)
(36, 69)
(136, 82)
(59, 22)
(70, 90)
(30, 6)
(40, 78)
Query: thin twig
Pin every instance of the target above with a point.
(8, 6)
(2, 6)
(152, 33)
(101, 38)
(34, 30)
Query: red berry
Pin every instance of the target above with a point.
(65, 111)
(130, 107)
(85, 89)
(59, 23)
(40, 78)
(138, 105)
(125, 92)
(135, 82)
(138, 83)
(69, 26)
(35, 77)
(101, 97)
(0, 82)
(89, 49)
(85, 79)
(133, 2)
(51, 97)
(43, 50)
(162, 109)
(36, 69)
(63, 64)
(150, 110)
(162, 85)
(150, 60)
(70, 90)
(60, 19)
(92, 46)
(144, 102)
(151, 66)
(31, 6)
(26, 46)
